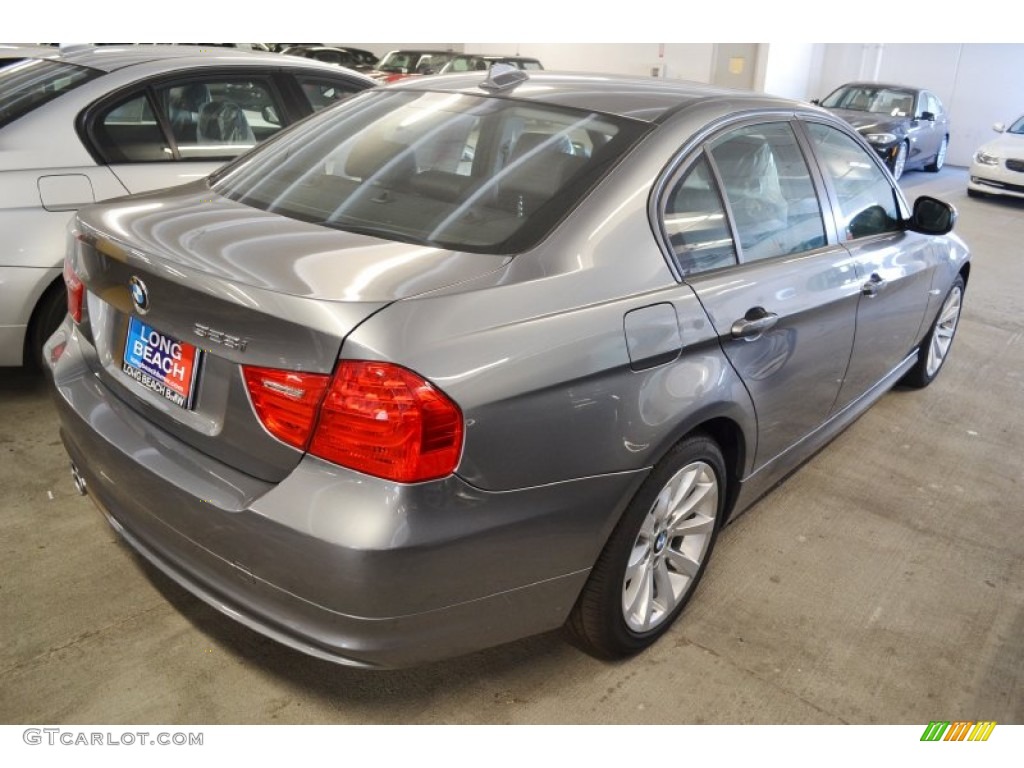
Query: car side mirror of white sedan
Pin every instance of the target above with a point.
(999, 127)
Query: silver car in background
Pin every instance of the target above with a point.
(79, 124)
(461, 360)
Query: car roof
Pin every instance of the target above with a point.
(110, 58)
(641, 98)
(13, 51)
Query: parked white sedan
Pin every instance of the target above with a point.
(997, 168)
(79, 126)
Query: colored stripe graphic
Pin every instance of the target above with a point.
(958, 730)
(982, 730)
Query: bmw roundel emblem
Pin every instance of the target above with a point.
(140, 296)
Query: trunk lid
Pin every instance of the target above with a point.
(183, 288)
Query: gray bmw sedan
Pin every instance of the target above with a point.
(462, 360)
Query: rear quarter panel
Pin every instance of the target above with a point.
(536, 354)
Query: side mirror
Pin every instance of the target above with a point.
(999, 127)
(929, 116)
(270, 115)
(932, 216)
(816, 101)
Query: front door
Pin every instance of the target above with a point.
(892, 264)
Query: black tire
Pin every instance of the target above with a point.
(936, 345)
(693, 471)
(940, 157)
(48, 314)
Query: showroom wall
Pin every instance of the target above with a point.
(686, 61)
(977, 82)
(790, 67)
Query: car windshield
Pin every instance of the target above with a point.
(894, 102)
(29, 83)
(1017, 127)
(413, 62)
(491, 175)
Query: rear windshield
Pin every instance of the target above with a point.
(29, 83)
(457, 171)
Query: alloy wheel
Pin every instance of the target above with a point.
(945, 328)
(899, 161)
(671, 546)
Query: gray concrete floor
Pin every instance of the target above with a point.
(882, 583)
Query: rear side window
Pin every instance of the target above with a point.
(866, 199)
(30, 83)
(129, 133)
(695, 223)
(459, 171)
(769, 191)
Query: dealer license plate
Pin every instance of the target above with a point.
(161, 363)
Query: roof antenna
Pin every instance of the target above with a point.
(503, 77)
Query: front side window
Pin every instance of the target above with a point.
(932, 104)
(695, 223)
(766, 182)
(455, 170)
(216, 119)
(867, 203)
(321, 92)
(466, 64)
(219, 119)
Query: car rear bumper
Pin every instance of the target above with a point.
(333, 563)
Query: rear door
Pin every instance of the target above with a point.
(893, 265)
(746, 226)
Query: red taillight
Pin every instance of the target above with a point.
(386, 421)
(286, 401)
(376, 418)
(76, 291)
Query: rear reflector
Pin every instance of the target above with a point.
(76, 291)
(386, 421)
(286, 401)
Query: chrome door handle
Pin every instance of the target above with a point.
(874, 284)
(754, 323)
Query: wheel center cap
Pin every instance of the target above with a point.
(660, 542)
